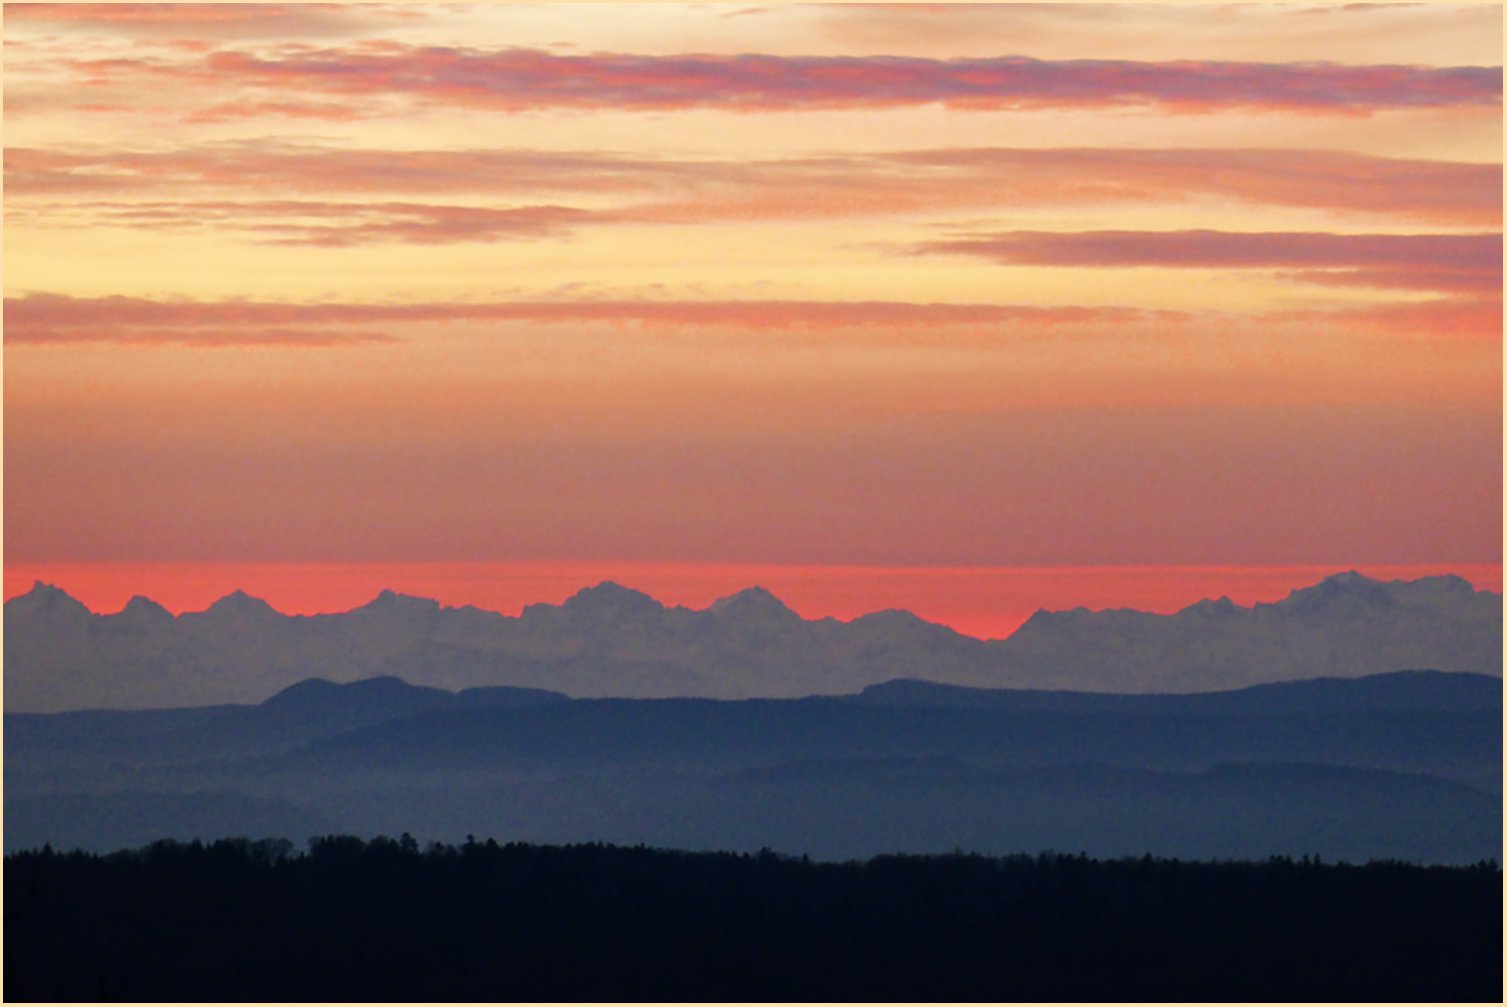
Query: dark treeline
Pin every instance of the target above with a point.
(387, 921)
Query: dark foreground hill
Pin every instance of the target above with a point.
(384, 922)
(1406, 766)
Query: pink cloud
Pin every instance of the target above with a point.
(232, 110)
(302, 168)
(214, 20)
(1442, 319)
(40, 318)
(1480, 283)
(425, 224)
(152, 13)
(341, 225)
(688, 192)
(56, 318)
(59, 319)
(199, 337)
(1305, 178)
(1412, 261)
(519, 79)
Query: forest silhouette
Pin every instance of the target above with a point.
(387, 920)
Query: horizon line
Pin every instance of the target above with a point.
(11, 593)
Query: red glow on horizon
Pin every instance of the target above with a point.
(987, 602)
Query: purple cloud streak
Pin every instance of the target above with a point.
(520, 79)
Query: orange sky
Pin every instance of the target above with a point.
(813, 287)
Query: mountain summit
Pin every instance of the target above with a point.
(754, 604)
(45, 602)
(610, 600)
(239, 604)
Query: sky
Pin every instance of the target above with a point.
(967, 309)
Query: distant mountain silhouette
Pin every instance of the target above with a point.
(610, 640)
(386, 697)
(1405, 765)
(308, 710)
(1401, 690)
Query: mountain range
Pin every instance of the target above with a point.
(611, 641)
(1405, 765)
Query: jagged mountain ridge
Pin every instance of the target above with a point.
(610, 640)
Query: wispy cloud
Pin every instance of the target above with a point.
(46, 317)
(1447, 262)
(130, 187)
(1298, 178)
(521, 79)
(58, 319)
(191, 336)
(288, 167)
(1380, 33)
(343, 225)
(1455, 318)
(215, 20)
